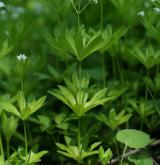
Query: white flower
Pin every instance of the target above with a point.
(141, 13)
(2, 4)
(156, 9)
(22, 57)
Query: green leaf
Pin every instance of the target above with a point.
(94, 145)
(104, 156)
(10, 108)
(63, 147)
(35, 157)
(66, 93)
(133, 138)
(58, 95)
(5, 49)
(9, 125)
(141, 160)
(36, 105)
(21, 100)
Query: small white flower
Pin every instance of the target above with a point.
(156, 9)
(22, 57)
(2, 4)
(141, 13)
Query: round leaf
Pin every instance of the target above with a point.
(141, 160)
(133, 138)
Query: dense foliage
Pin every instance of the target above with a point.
(79, 82)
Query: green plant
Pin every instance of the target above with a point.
(77, 153)
(9, 126)
(25, 109)
(77, 96)
(5, 49)
(104, 57)
(149, 58)
(114, 120)
(104, 156)
(132, 138)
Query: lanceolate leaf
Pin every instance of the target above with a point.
(5, 49)
(24, 109)
(10, 108)
(35, 157)
(36, 105)
(78, 98)
(21, 100)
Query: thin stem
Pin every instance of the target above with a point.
(1, 149)
(25, 139)
(145, 99)
(83, 8)
(157, 70)
(78, 21)
(146, 92)
(78, 14)
(120, 70)
(103, 57)
(141, 124)
(103, 70)
(116, 146)
(79, 133)
(74, 6)
(80, 70)
(101, 14)
(114, 141)
(22, 85)
(8, 148)
(114, 67)
(123, 154)
(155, 102)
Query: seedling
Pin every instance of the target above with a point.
(104, 156)
(114, 120)
(76, 95)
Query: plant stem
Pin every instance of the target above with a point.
(155, 102)
(103, 57)
(120, 70)
(79, 133)
(101, 14)
(1, 149)
(103, 70)
(157, 70)
(146, 92)
(145, 100)
(22, 85)
(114, 67)
(78, 21)
(141, 124)
(115, 142)
(25, 139)
(8, 148)
(80, 70)
(123, 154)
(116, 147)
(78, 14)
